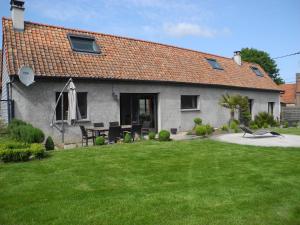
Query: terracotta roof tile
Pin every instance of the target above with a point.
(289, 96)
(47, 50)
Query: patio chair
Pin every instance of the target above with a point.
(114, 124)
(146, 127)
(136, 129)
(98, 133)
(86, 136)
(114, 134)
(258, 133)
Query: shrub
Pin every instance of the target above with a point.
(151, 135)
(265, 125)
(14, 155)
(285, 124)
(201, 130)
(49, 144)
(127, 138)
(14, 152)
(25, 132)
(100, 140)
(37, 150)
(209, 129)
(264, 117)
(197, 121)
(255, 127)
(234, 126)
(224, 128)
(164, 135)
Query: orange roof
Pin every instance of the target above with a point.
(289, 96)
(47, 50)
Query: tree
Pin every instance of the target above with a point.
(236, 102)
(264, 60)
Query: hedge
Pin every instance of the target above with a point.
(16, 154)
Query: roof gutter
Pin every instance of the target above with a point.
(56, 78)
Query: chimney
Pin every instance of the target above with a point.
(237, 58)
(298, 89)
(17, 14)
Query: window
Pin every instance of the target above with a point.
(257, 71)
(250, 105)
(214, 64)
(271, 108)
(83, 43)
(189, 102)
(81, 103)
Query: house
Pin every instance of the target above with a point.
(291, 95)
(121, 79)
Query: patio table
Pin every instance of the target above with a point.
(100, 130)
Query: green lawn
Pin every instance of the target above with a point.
(290, 130)
(187, 182)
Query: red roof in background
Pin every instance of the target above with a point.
(47, 50)
(1, 69)
(289, 96)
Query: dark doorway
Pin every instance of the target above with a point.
(139, 108)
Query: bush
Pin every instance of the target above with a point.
(253, 126)
(198, 121)
(224, 128)
(14, 155)
(21, 131)
(100, 140)
(164, 135)
(37, 150)
(265, 125)
(201, 130)
(209, 129)
(14, 152)
(127, 138)
(234, 126)
(49, 144)
(264, 117)
(151, 135)
(285, 124)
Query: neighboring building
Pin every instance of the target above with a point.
(122, 79)
(291, 95)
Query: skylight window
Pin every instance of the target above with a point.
(83, 43)
(214, 64)
(257, 71)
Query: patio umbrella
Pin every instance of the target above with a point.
(72, 107)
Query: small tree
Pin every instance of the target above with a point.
(236, 102)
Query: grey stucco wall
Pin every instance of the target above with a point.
(5, 80)
(35, 104)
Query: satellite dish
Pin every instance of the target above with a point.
(26, 75)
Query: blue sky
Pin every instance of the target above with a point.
(214, 26)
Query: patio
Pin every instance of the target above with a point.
(286, 140)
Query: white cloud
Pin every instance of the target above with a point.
(188, 29)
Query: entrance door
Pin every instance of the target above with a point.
(140, 108)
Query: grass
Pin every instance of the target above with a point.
(187, 182)
(290, 130)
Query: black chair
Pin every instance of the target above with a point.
(114, 124)
(114, 134)
(86, 137)
(98, 133)
(136, 129)
(146, 127)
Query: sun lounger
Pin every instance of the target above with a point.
(258, 133)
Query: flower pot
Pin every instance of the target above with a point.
(173, 130)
